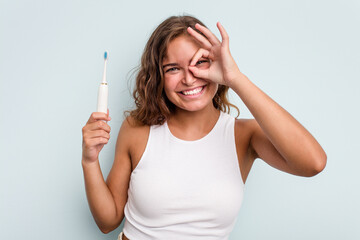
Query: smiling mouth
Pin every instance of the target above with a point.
(193, 91)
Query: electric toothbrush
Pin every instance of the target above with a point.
(103, 91)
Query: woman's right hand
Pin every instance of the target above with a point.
(96, 133)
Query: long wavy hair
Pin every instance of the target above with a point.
(152, 105)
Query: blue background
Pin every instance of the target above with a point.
(304, 54)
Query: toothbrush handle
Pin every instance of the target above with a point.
(102, 98)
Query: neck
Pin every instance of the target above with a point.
(201, 120)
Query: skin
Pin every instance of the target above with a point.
(273, 136)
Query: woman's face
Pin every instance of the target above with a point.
(181, 87)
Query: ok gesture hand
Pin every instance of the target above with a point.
(223, 69)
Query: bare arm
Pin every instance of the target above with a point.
(277, 137)
(103, 198)
(100, 199)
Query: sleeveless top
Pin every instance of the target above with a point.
(186, 190)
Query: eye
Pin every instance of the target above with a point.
(202, 63)
(171, 69)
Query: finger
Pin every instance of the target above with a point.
(95, 141)
(199, 73)
(108, 111)
(99, 125)
(224, 35)
(210, 36)
(103, 126)
(200, 38)
(199, 54)
(107, 116)
(96, 116)
(98, 133)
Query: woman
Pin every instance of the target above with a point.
(181, 161)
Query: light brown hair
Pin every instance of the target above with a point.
(152, 105)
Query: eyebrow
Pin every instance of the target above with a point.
(176, 64)
(170, 64)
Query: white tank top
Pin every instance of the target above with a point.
(186, 190)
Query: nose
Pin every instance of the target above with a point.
(189, 79)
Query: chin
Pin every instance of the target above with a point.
(194, 107)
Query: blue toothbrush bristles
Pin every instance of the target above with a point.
(105, 55)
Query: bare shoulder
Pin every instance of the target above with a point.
(244, 123)
(244, 129)
(133, 130)
(130, 134)
(136, 136)
(130, 144)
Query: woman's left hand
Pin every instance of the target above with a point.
(223, 69)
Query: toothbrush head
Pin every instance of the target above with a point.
(105, 56)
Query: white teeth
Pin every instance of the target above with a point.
(192, 92)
